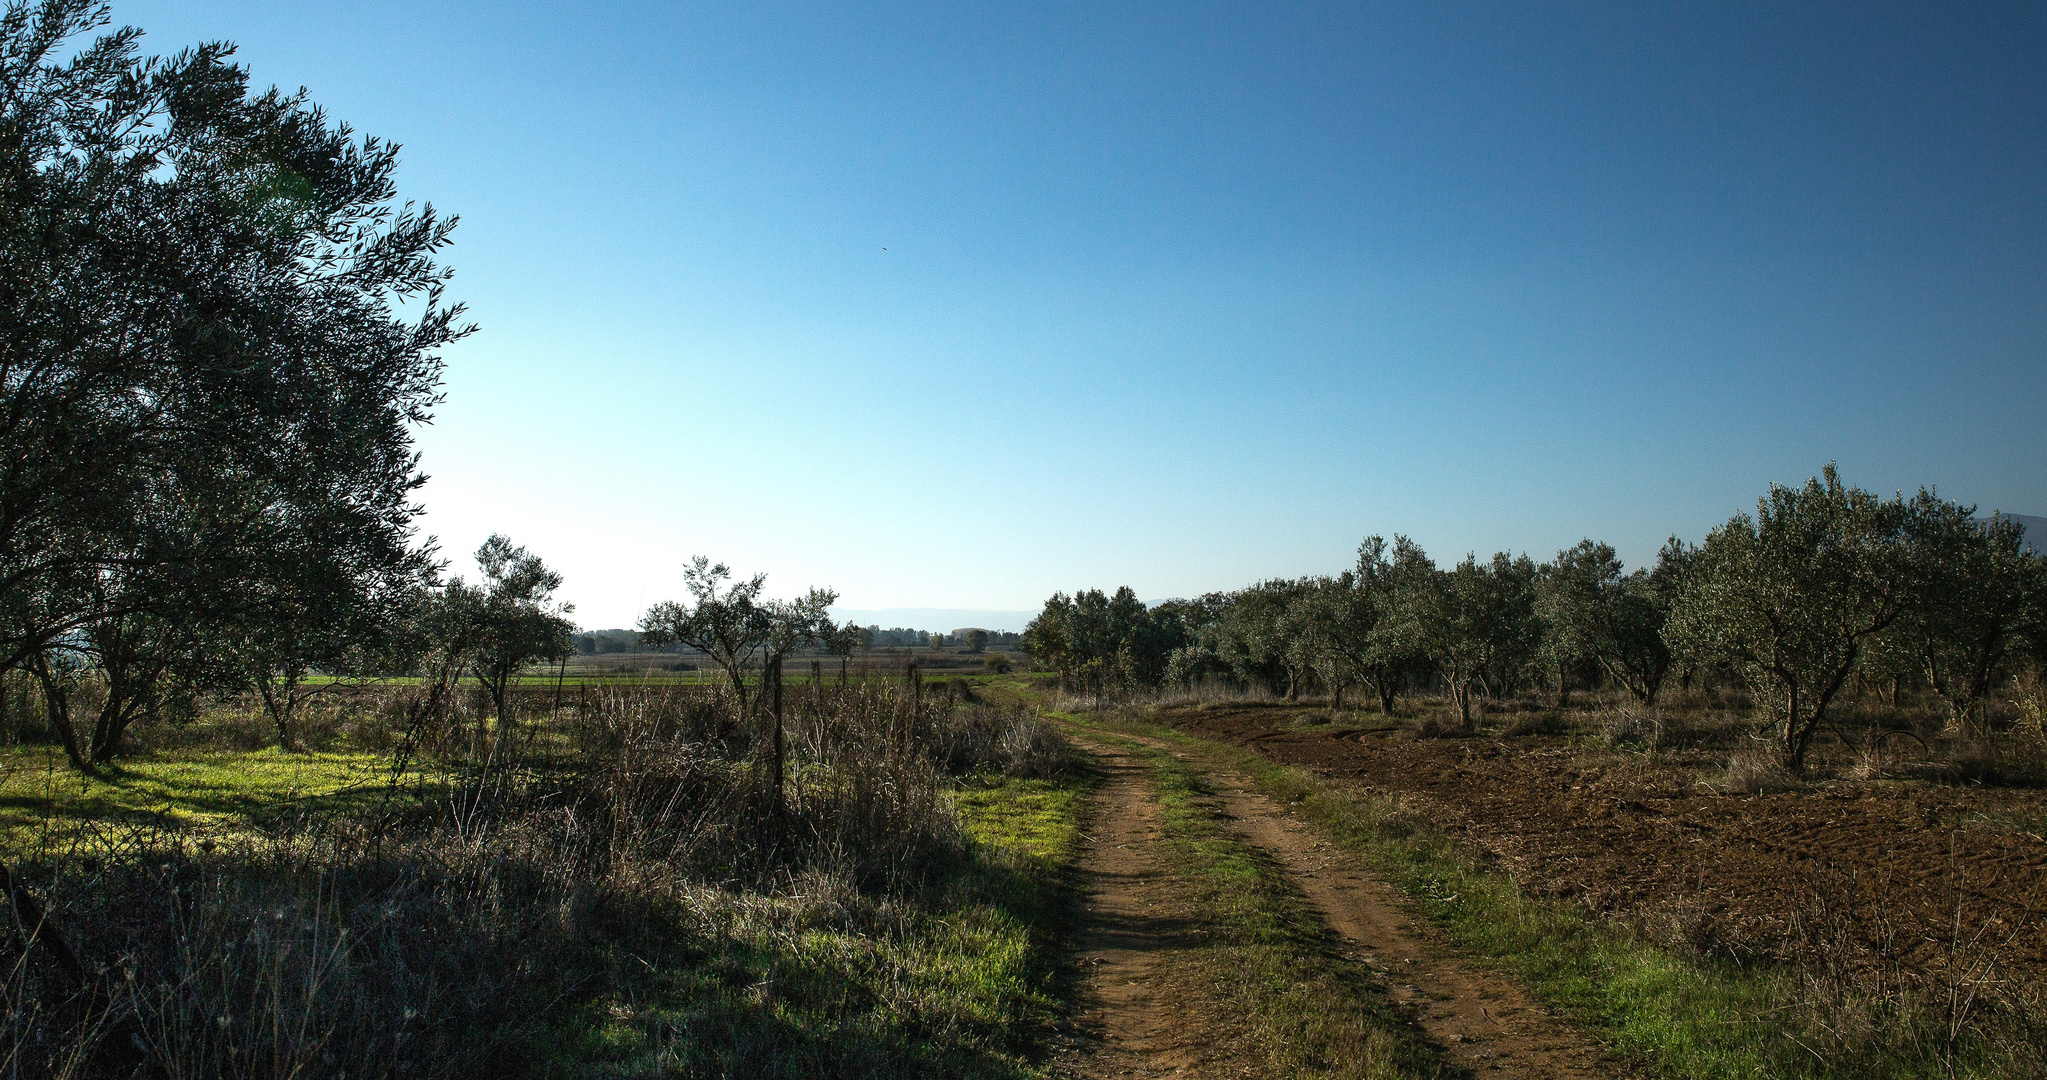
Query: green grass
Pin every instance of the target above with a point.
(42, 798)
(962, 981)
(1034, 819)
(1676, 1014)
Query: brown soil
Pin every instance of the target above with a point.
(1885, 871)
(1144, 1019)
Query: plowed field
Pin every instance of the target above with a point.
(1911, 875)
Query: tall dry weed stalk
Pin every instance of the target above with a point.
(1884, 992)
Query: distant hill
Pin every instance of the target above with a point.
(2036, 528)
(937, 620)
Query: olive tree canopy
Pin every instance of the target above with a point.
(1792, 596)
(217, 329)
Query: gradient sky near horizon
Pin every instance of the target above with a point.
(956, 305)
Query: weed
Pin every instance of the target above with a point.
(1758, 772)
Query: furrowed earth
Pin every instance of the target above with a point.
(1901, 872)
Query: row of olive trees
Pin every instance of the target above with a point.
(1824, 583)
(1094, 642)
(1476, 628)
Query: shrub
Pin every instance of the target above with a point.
(1541, 723)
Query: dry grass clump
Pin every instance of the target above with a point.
(487, 918)
(1867, 999)
(1758, 772)
(1535, 723)
(2013, 758)
(1014, 743)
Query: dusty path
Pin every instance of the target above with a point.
(1479, 1019)
(1139, 1018)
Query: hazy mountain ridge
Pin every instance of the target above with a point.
(941, 620)
(2036, 528)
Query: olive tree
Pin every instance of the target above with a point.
(215, 321)
(842, 641)
(1100, 640)
(1591, 608)
(1392, 646)
(1314, 626)
(728, 623)
(1633, 649)
(1475, 620)
(144, 643)
(1976, 589)
(1047, 640)
(1791, 596)
(1574, 598)
(1254, 639)
(514, 621)
(333, 601)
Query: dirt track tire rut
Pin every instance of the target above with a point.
(1137, 1018)
(1481, 1020)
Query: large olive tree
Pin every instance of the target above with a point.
(1791, 596)
(216, 322)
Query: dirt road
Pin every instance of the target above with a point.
(1145, 1018)
(1142, 1013)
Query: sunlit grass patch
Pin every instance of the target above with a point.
(1039, 818)
(208, 790)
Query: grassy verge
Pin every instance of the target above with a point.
(958, 978)
(961, 981)
(1679, 1015)
(1308, 1011)
(626, 896)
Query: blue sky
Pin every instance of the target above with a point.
(956, 305)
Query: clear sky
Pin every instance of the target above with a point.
(956, 305)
